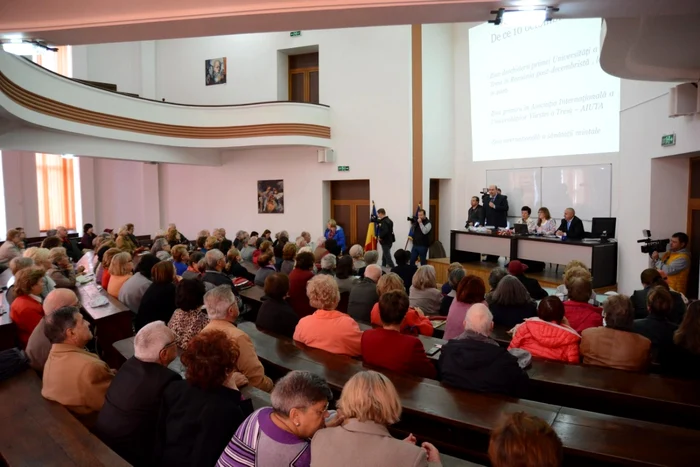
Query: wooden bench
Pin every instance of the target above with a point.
(38, 432)
(458, 422)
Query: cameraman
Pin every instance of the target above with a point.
(675, 262)
(421, 239)
(385, 234)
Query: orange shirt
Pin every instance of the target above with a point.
(332, 331)
(413, 323)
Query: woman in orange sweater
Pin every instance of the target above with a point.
(26, 310)
(415, 321)
(328, 329)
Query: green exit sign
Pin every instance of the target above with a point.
(295, 34)
(343, 168)
(668, 140)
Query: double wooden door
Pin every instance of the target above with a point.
(350, 207)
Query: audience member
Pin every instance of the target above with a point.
(356, 253)
(214, 275)
(510, 303)
(40, 256)
(525, 440)
(71, 248)
(447, 287)
(199, 415)
(475, 362)
(279, 435)
(74, 377)
(249, 249)
(10, 248)
(651, 278)
(201, 240)
(656, 326)
(189, 319)
(328, 329)
(132, 237)
(276, 314)
(193, 269)
(548, 335)
(614, 344)
(575, 269)
(320, 250)
(26, 310)
(234, 267)
(158, 303)
(131, 293)
(180, 258)
(424, 293)
(368, 405)
(173, 237)
(61, 271)
(335, 232)
(403, 269)
(39, 346)
(684, 358)
(495, 277)
(388, 347)
(241, 239)
(343, 274)
(471, 290)
(222, 308)
(16, 265)
(88, 237)
(363, 295)
(307, 238)
(298, 279)
(415, 322)
(265, 247)
(120, 271)
(328, 264)
(51, 242)
(124, 241)
(102, 273)
(517, 269)
(267, 235)
(266, 268)
(333, 247)
(160, 244)
(581, 314)
(289, 252)
(211, 243)
(128, 420)
(453, 280)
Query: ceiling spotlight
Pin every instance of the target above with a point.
(534, 16)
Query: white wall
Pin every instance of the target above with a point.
(117, 63)
(21, 196)
(671, 173)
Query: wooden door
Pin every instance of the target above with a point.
(350, 207)
(433, 209)
(694, 227)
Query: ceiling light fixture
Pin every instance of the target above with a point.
(534, 16)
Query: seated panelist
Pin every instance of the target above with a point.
(571, 226)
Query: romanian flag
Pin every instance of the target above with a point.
(410, 232)
(371, 240)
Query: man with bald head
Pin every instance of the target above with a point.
(571, 226)
(363, 295)
(475, 362)
(38, 346)
(128, 419)
(495, 208)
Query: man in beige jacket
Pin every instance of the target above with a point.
(74, 377)
(222, 309)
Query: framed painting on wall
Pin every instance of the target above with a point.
(215, 71)
(270, 196)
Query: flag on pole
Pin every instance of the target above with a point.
(413, 226)
(371, 239)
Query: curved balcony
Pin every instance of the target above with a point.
(41, 97)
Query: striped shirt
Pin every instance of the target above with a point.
(258, 442)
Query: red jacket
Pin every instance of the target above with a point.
(26, 313)
(582, 315)
(396, 352)
(413, 323)
(547, 340)
(298, 279)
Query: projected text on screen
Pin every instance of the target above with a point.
(539, 91)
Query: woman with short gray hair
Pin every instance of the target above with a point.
(510, 303)
(279, 435)
(424, 293)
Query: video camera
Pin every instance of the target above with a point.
(650, 246)
(412, 219)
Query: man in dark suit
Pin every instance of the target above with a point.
(385, 234)
(128, 419)
(571, 226)
(476, 213)
(495, 208)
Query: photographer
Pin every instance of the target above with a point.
(495, 207)
(675, 262)
(385, 234)
(421, 238)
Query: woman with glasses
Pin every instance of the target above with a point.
(279, 435)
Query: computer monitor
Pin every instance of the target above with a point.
(603, 224)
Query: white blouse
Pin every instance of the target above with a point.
(547, 227)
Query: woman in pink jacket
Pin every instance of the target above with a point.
(549, 335)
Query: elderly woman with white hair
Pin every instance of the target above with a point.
(328, 264)
(127, 422)
(300, 242)
(424, 293)
(61, 270)
(40, 256)
(159, 245)
(356, 253)
(241, 239)
(249, 249)
(282, 432)
(328, 329)
(222, 309)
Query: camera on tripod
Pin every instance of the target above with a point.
(650, 245)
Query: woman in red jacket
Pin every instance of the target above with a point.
(414, 322)
(581, 314)
(548, 336)
(26, 310)
(298, 278)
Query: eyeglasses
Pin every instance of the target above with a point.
(167, 345)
